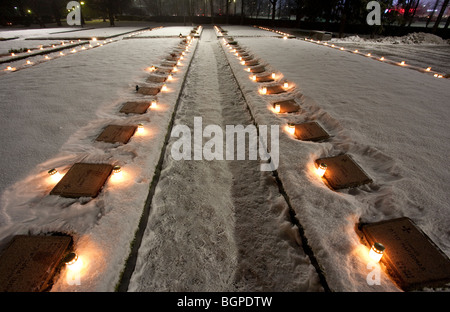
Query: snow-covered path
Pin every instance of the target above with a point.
(218, 225)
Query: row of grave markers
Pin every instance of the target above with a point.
(30, 263)
(412, 260)
(369, 55)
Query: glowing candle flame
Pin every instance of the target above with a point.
(428, 69)
(291, 128)
(55, 176)
(263, 90)
(376, 252)
(140, 129)
(153, 104)
(277, 108)
(321, 169)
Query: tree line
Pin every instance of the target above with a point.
(400, 12)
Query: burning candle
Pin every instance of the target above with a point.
(164, 88)
(285, 85)
(153, 104)
(263, 90)
(277, 108)
(321, 170)
(73, 262)
(402, 63)
(140, 128)
(382, 58)
(117, 173)
(291, 128)
(376, 252)
(254, 77)
(273, 76)
(428, 69)
(55, 176)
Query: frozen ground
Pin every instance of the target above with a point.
(223, 225)
(419, 49)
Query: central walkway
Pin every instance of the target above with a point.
(218, 225)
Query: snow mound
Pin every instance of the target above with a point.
(412, 38)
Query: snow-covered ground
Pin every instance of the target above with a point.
(418, 49)
(222, 225)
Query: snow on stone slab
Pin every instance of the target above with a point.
(52, 114)
(389, 119)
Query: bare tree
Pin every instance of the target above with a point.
(441, 13)
(274, 8)
(432, 13)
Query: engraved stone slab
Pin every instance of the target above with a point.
(117, 134)
(161, 70)
(252, 63)
(135, 107)
(157, 79)
(171, 58)
(83, 180)
(343, 172)
(411, 258)
(257, 69)
(168, 64)
(149, 90)
(29, 263)
(276, 89)
(287, 106)
(266, 78)
(310, 131)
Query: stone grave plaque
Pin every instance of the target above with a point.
(161, 70)
(149, 90)
(411, 258)
(176, 54)
(343, 172)
(266, 78)
(29, 263)
(310, 131)
(83, 180)
(171, 58)
(287, 106)
(252, 63)
(168, 64)
(257, 69)
(135, 107)
(276, 89)
(116, 134)
(156, 78)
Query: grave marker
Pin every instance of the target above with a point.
(310, 131)
(83, 180)
(411, 258)
(135, 107)
(29, 263)
(117, 134)
(343, 172)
